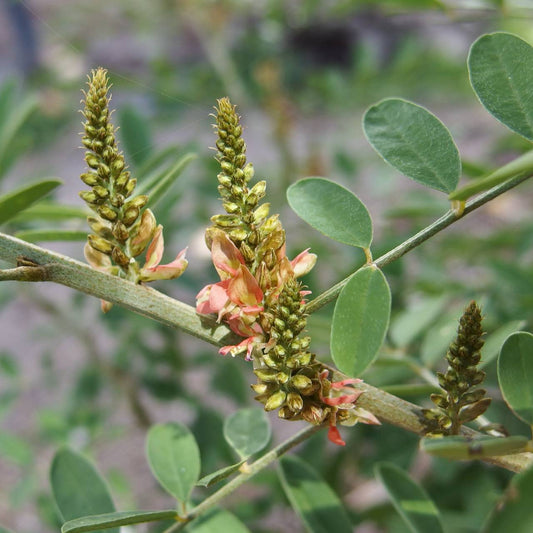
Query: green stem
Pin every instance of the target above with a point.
(520, 165)
(416, 240)
(251, 471)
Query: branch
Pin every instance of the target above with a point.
(416, 240)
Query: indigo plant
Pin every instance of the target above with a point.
(259, 310)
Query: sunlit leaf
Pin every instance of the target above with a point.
(462, 448)
(319, 508)
(247, 431)
(515, 374)
(124, 518)
(409, 499)
(360, 321)
(415, 142)
(174, 458)
(217, 521)
(77, 487)
(14, 202)
(514, 513)
(501, 73)
(331, 209)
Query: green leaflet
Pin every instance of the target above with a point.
(409, 499)
(360, 321)
(311, 497)
(515, 374)
(124, 518)
(78, 488)
(501, 73)
(174, 458)
(247, 431)
(331, 209)
(415, 142)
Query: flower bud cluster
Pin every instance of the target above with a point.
(260, 298)
(122, 226)
(459, 404)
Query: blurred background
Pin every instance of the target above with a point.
(302, 74)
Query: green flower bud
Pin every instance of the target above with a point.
(275, 401)
(100, 244)
(107, 213)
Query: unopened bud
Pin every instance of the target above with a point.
(130, 216)
(100, 191)
(120, 257)
(92, 160)
(107, 213)
(248, 172)
(230, 207)
(99, 227)
(313, 414)
(226, 221)
(100, 244)
(275, 401)
(120, 232)
(301, 382)
(89, 178)
(261, 213)
(295, 402)
(259, 388)
(266, 375)
(238, 234)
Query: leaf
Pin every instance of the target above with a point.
(39, 235)
(415, 142)
(360, 321)
(514, 512)
(174, 458)
(515, 374)
(495, 340)
(331, 209)
(219, 475)
(247, 431)
(217, 521)
(77, 487)
(319, 508)
(104, 521)
(408, 325)
(14, 202)
(409, 499)
(157, 187)
(463, 448)
(501, 73)
(135, 133)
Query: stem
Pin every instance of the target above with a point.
(416, 240)
(252, 470)
(520, 165)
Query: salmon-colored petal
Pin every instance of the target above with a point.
(243, 288)
(169, 271)
(335, 436)
(154, 253)
(303, 263)
(344, 382)
(227, 258)
(343, 400)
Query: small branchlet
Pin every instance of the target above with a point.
(460, 402)
(123, 228)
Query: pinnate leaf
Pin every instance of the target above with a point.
(515, 374)
(311, 497)
(409, 499)
(360, 321)
(415, 142)
(501, 73)
(331, 209)
(77, 487)
(247, 431)
(174, 458)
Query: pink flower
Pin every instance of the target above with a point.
(347, 402)
(152, 270)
